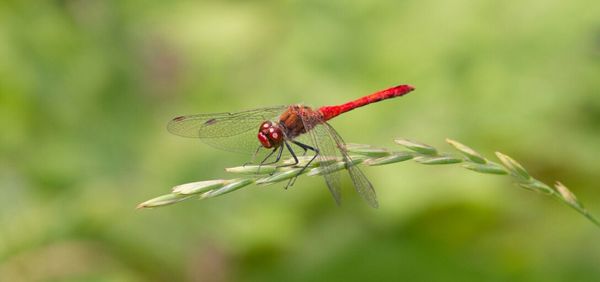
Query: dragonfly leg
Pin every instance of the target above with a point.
(306, 148)
(280, 149)
(303, 147)
(264, 161)
(296, 161)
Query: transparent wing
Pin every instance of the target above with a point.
(330, 145)
(322, 141)
(235, 132)
(362, 185)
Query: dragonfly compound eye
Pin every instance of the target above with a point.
(270, 135)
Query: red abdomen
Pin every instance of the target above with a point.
(329, 112)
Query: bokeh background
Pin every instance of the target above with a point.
(86, 88)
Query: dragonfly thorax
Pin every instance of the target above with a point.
(270, 135)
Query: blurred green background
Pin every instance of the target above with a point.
(86, 88)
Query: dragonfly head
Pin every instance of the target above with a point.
(270, 135)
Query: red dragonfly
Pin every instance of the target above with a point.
(281, 127)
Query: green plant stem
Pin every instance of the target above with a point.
(373, 156)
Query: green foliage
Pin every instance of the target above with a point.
(87, 87)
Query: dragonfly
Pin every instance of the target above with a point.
(288, 128)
